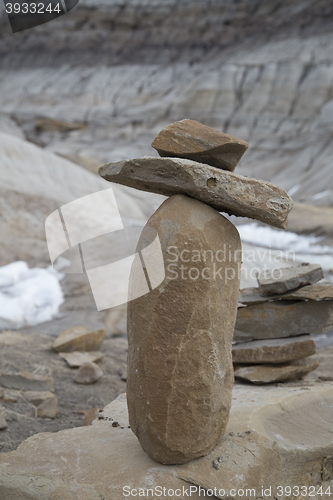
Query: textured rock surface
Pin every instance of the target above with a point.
(79, 339)
(273, 350)
(224, 191)
(88, 373)
(180, 373)
(271, 373)
(277, 319)
(271, 440)
(194, 141)
(3, 423)
(76, 359)
(26, 381)
(281, 280)
(317, 292)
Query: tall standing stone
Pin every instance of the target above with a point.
(180, 373)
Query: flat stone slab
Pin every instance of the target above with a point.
(275, 436)
(79, 338)
(26, 381)
(76, 359)
(273, 350)
(280, 318)
(225, 191)
(282, 280)
(316, 292)
(195, 141)
(272, 373)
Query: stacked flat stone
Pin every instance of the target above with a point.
(180, 372)
(273, 329)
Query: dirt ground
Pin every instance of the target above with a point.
(31, 350)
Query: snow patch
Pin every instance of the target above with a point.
(305, 248)
(28, 296)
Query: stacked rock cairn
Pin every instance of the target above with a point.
(180, 371)
(273, 330)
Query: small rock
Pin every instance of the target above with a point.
(267, 374)
(77, 359)
(36, 398)
(280, 319)
(89, 373)
(49, 408)
(26, 381)
(90, 416)
(224, 191)
(317, 292)
(9, 397)
(282, 280)
(79, 339)
(46, 403)
(3, 423)
(274, 350)
(194, 141)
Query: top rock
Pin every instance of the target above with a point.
(192, 140)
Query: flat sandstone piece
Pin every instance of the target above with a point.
(268, 374)
(26, 381)
(276, 435)
(289, 278)
(180, 373)
(316, 292)
(195, 141)
(224, 191)
(79, 339)
(273, 350)
(280, 318)
(76, 359)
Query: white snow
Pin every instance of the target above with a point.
(300, 248)
(28, 296)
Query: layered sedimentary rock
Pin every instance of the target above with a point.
(180, 374)
(272, 373)
(195, 141)
(273, 350)
(222, 190)
(277, 281)
(316, 292)
(278, 319)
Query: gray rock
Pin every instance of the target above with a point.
(276, 281)
(180, 373)
(316, 292)
(222, 190)
(26, 381)
(273, 373)
(195, 141)
(76, 359)
(273, 350)
(3, 423)
(279, 319)
(88, 373)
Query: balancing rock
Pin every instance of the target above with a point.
(180, 373)
(195, 141)
(222, 190)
